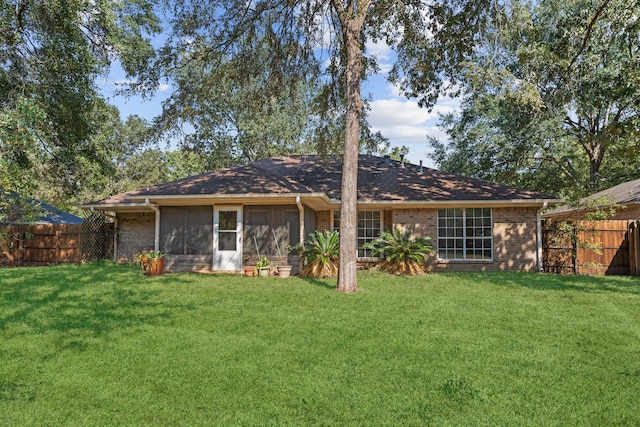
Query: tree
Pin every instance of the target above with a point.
(429, 38)
(51, 53)
(551, 98)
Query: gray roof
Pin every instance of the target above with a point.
(46, 214)
(627, 193)
(379, 180)
(53, 215)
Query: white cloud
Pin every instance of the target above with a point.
(383, 53)
(403, 122)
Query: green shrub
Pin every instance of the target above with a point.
(319, 253)
(402, 254)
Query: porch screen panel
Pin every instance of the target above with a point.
(186, 230)
(172, 230)
(256, 231)
(199, 230)
(292, 225)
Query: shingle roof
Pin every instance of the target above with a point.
(46, 214)
(627, 193)
(379, 179)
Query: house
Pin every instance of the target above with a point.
(606, 244)
(222, 220)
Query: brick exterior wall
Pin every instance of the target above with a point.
(323, 220)
(514, 239)
(136, 232)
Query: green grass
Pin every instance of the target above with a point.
(100, 344)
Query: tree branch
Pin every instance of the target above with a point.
(587, 35)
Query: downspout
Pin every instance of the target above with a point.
(539, 236)
(156, 237)
(115, 231)
(301, 209)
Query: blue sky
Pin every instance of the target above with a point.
(396, 117)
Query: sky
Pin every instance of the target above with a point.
(399, 119)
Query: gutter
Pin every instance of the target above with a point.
(156, 237)
(115, 231)
(301, 210)
(539, 234)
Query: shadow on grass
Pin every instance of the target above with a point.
(322, 283)
(79, 302)
(554, 282)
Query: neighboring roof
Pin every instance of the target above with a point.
(47, 214)
(380, 180)
(53, 215)
(627, 193)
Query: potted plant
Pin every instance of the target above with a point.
(263, 267)
(284, 269)
(152, 262)
(249, 271)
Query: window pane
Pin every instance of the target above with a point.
(228, 220)
(227, 241)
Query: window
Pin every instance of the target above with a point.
(369, 227)
(465, 234)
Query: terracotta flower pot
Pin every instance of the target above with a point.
(249, 271)
(284, 271)
(154, 267)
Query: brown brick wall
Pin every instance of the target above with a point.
(514, 238)
(136, 232)
(323, 220)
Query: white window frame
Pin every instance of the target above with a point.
(468, 231)
(362, 229)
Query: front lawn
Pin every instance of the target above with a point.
(100, 344)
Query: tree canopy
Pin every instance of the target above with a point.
(551, 98)
(51, 53)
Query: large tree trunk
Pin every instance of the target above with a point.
(352, 19)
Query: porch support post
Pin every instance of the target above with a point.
(156, 238)
(301, 209)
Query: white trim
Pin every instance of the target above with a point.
(156, 237)
(237, 256)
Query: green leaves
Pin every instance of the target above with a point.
(51, 53)
(319, 253)
(402, 254)
(551, 97)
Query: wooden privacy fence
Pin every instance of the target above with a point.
(54, 243)
(591, 247)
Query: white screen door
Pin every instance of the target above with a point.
(227, 238)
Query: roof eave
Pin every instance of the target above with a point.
(412, 204)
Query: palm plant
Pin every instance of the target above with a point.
(402, 254)
(319, 254)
